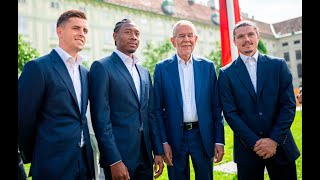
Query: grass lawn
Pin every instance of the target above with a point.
(296, 129)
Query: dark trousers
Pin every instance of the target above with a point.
(275, 171)
(191, 145)
(143, 170)
(83, 170)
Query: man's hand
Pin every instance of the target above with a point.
(218, 153)
(158, 166)
(119, 171)
(265, 147)
(167, 154)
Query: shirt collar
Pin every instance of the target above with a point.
(65, 56)
(125, 57)
(180, 60)
(245, 58)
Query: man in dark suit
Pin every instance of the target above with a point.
(121, 107)
(259, 104)
(52, 104)
(187, 107)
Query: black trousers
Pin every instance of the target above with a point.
(275, 171)
(144, 169)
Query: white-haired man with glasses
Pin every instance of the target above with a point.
(187, 108)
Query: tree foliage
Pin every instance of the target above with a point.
(25, 53)
(215, 57)
(154, 53)
(262, 46)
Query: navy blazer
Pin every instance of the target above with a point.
(267, 113)
(117, 113)
(169, 103)
(49, 119)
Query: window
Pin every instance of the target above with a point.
(286, 56)
(107, 37)
(22, 25)
(285, 44)
(53, 30)
(299, 68)
(296, 42)
(54, 5)
(298, 54)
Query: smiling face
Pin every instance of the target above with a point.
(72, 35)
(127, 38)
(246, 38)
(184, 40)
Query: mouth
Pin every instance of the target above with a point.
(133, 44)
(82, 41)
(247, 44)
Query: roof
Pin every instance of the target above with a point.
(190, 11)
(182, 9)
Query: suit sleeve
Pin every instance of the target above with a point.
(231, 112)
(158, 103)
(154, 124)
(31, 88)
(100, 113)
(287, 105)
(217, 111)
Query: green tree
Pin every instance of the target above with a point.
(262, 46)
(154, 53)
(215, 56)
(25, 53)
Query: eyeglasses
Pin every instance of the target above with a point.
(182, 36)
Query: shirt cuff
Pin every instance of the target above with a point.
(115, 163)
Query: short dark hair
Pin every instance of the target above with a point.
(64, 17)
(244, 23)
(120, 23)
(118, 26)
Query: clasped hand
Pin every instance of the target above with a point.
(265, 147)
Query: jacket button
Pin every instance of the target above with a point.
(260, 113)
(181, 125)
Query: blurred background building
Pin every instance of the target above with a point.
(37, 24)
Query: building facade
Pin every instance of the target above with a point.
(37, 24)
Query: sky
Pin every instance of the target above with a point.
(269, 11)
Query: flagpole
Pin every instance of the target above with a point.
(229, 16)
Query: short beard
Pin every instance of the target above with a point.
(248, 52)
(131, 51)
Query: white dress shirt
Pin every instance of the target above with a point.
(251, 64)
(131, 66)
(186, 76)
(73, 69)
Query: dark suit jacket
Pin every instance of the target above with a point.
(117, 113)
(49, 119)
(267, 113)
(169, 103)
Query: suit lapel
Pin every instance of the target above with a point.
(243, 75)
(143, 82)
(124, 71)
(84, 89)
(262, 69)
(172, 69)
(197, 79)
(62, 70)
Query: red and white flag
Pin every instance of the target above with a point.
(229, 16)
